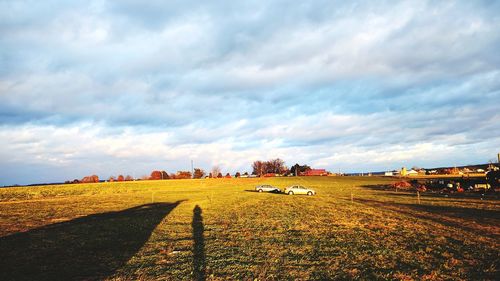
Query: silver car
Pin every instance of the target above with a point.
(267, 188)
(299, 189)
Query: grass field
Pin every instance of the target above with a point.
(219, 229)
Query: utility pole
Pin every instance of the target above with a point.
(192, 169)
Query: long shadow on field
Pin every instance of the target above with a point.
(479, 221)
(87, 248)
(389, 190)
(199, 262)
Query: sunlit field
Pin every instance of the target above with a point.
(219, 229)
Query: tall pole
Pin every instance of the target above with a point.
(192, 169)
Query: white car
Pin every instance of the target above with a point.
(299, 189)
(267, 188)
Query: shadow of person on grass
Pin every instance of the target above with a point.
(199, 266)
(434, 193)
(87, 248)
(461, 217)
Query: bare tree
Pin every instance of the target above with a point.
(258, 168)
(276, 166)
(215, 171)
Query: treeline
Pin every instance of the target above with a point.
(259, 168)
(121, 178)
(197, 174)
(162, 175)
(87, 179)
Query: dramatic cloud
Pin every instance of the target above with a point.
(126, 87)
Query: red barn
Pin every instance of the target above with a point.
(316, 172)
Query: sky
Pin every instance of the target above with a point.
(127, 87)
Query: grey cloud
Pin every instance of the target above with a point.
(248, 74)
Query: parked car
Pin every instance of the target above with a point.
(267, 188)
(299, 189)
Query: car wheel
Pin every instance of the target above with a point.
(290, 192)
(260, 190)
(309, 193)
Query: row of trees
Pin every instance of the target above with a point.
(197, 174)
(87, 179)
(260, 168)
(121, 178)
(228, 175)
(217, 173)
(162, 175)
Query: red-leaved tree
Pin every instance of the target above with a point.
(183, 175)
(90, 179)
(155, 175)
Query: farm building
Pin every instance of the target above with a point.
(315, 172)
(412, 173)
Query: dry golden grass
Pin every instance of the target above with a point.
(220, 229)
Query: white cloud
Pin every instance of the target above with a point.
(152, 85)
